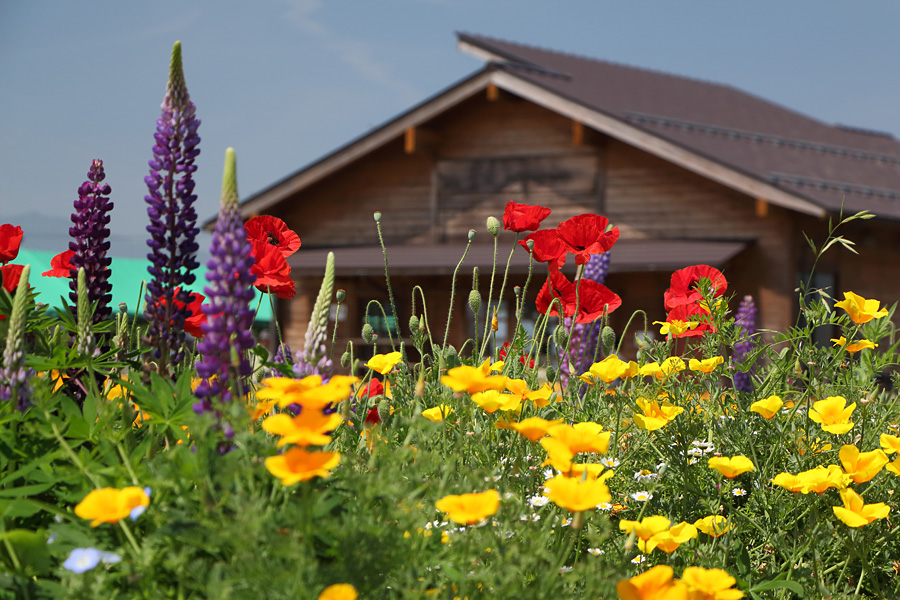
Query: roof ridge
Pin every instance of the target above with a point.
(605, 61)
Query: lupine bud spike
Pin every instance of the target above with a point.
(229, 179)
(14, 375)
(176, 89)
(314, 358)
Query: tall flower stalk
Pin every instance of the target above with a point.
(224, 366)
(173, 220)
(585, 336)
(745, 319)
(90, 243)
(315, 359)
(14, 375)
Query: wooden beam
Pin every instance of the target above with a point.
(762, 207)
(577, 133)
(492, 92)
(409, 140)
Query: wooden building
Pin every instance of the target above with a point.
(690, 171)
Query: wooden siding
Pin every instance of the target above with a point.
(471, 160)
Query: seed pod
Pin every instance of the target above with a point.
(377, 216)
(340, 295)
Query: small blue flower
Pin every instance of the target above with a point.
(136, 512)
(82, 559)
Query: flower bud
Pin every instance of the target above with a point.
(123, 307)
(530, 244)
(608, 340)
(551, 372)
(377, 216)
(471, 234)
(475, 301)
(384, 411)
(517, 291)
(368, 333)
(345, 359)
(340, 295)
(413, 323)
(560, 336)
(493, 226)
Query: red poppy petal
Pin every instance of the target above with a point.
(523, 217)
(270, 230)
(10, 240)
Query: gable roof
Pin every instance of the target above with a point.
(739, 140)
(800, 155)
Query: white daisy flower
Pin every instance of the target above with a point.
(537, 500)
(642, 496)
(645, 475)
(595, 551)
(565, 569)
(609, 462)
(605, 506)
(738, 492)
(638, 559)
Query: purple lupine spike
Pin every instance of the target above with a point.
(585, 336)
(173, 220)
(745, 319)
(224, 367)
(90, 241)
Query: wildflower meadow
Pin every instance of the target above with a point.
(169, 454)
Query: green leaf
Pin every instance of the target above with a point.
(778, 584)
(30, 550)
(26, 490)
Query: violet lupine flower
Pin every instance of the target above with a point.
(14, 375)
(90, 241)
(173, 220)
(585, 336)
(224, 367)
(746, 320)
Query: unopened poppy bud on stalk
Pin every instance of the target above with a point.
(475, 301)
(413, 323)
(377, 216)
(345, 359)
(471, 234)
(530, 244)
(493, 226)
(561, 336)
(368, 333)
(340, 295)
(608, 339)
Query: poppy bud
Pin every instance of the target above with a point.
(561, 336)
(475, 301)
(493, 226)
(517, 291)
(422, 323)
(340, 295)
(377, 216)
(384, 411)
(368, 333)
(608, 339)
(413, 323)
(471, 234)
(123, 307)
(551, 373)
(530, 244)
(345, 359)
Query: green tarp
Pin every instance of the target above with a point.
(126, 276)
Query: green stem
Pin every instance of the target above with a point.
(452, 294)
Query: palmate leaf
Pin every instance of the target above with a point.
(168, 403)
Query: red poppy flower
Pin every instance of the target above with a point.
(11, 274)
(375, 388)
(373, 417)
(547, 248)
(193, 322)
(504, 349)
(273, 274)
(61, 265)
(10, 239)
(271, 230)
(523, 217)
(691, 313)
(593, 298)
(586, 235)
(684, 289)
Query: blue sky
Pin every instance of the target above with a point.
(286, 81)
